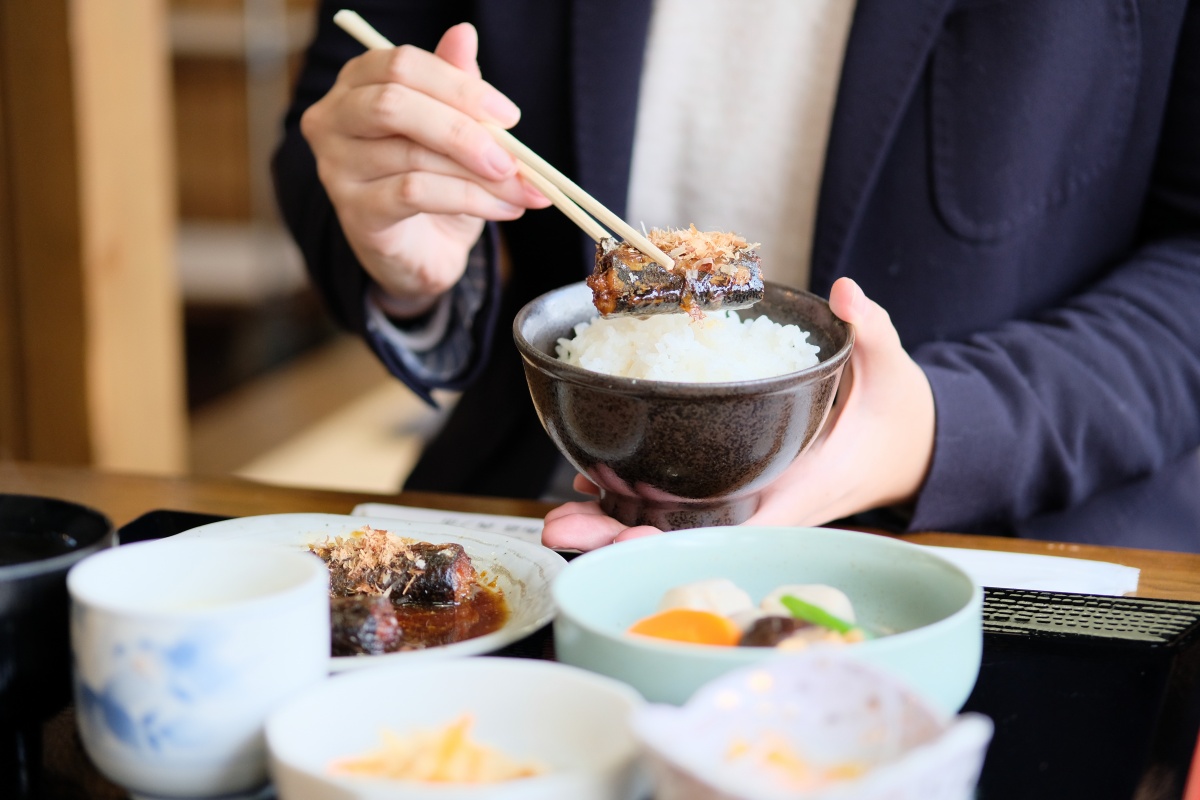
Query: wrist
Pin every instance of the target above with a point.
(402, 309)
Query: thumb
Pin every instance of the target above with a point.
(875, 337)
(460, 46)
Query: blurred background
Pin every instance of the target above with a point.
(154, 315)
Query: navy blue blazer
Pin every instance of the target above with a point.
(1016, 181)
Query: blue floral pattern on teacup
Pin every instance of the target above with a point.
(156, 692)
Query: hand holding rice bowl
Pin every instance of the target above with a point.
(681, 454)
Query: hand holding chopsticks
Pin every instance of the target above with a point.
(558, 188)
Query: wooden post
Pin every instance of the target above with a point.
(94, 371)
(12, 435)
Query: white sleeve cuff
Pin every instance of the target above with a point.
(415, 340)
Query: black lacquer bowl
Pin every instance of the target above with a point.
(40, 539)
(680, 455)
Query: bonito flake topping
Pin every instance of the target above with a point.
(704, 251)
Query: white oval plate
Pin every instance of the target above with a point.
(522, 570)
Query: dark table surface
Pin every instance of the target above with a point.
(1077, 715)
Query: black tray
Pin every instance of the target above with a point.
(1092, 696)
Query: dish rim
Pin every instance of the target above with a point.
(396, 674)
(747, 655)
(571, 373)
(548, 563)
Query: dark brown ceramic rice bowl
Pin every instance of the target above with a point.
(680, 455)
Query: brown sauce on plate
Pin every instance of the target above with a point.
(366, 625)
(424, 625)
(391, 594)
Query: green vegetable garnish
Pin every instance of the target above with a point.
(814, 614)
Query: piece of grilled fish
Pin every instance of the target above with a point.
(713, 271)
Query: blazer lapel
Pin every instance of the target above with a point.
(886, 54)
(608, 42)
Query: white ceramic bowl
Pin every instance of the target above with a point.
(574, 722)
(934, 608)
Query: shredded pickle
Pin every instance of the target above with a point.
(445, 755)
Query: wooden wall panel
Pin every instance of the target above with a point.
(134, 341)
(12, 437)
(46, 248)
(95, 350)
(12, 443)
(210, 138)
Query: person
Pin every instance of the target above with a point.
(1003, 198)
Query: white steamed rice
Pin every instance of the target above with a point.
(672, 347)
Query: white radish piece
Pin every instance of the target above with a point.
(718, 595)
(825, 597)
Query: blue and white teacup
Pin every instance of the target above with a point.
(182, 648)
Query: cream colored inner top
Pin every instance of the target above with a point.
(733, 119)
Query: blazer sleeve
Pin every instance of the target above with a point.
(309, 215)
(1042, 413)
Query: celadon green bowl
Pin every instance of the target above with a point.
(931, 609)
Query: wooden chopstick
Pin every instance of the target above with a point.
(577, 194)
(564, 193)
(563, 203)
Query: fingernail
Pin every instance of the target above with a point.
(501, 109)
(534, 195)
(862, 306)
(506, 207)
(500, 160)
(857, 298)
